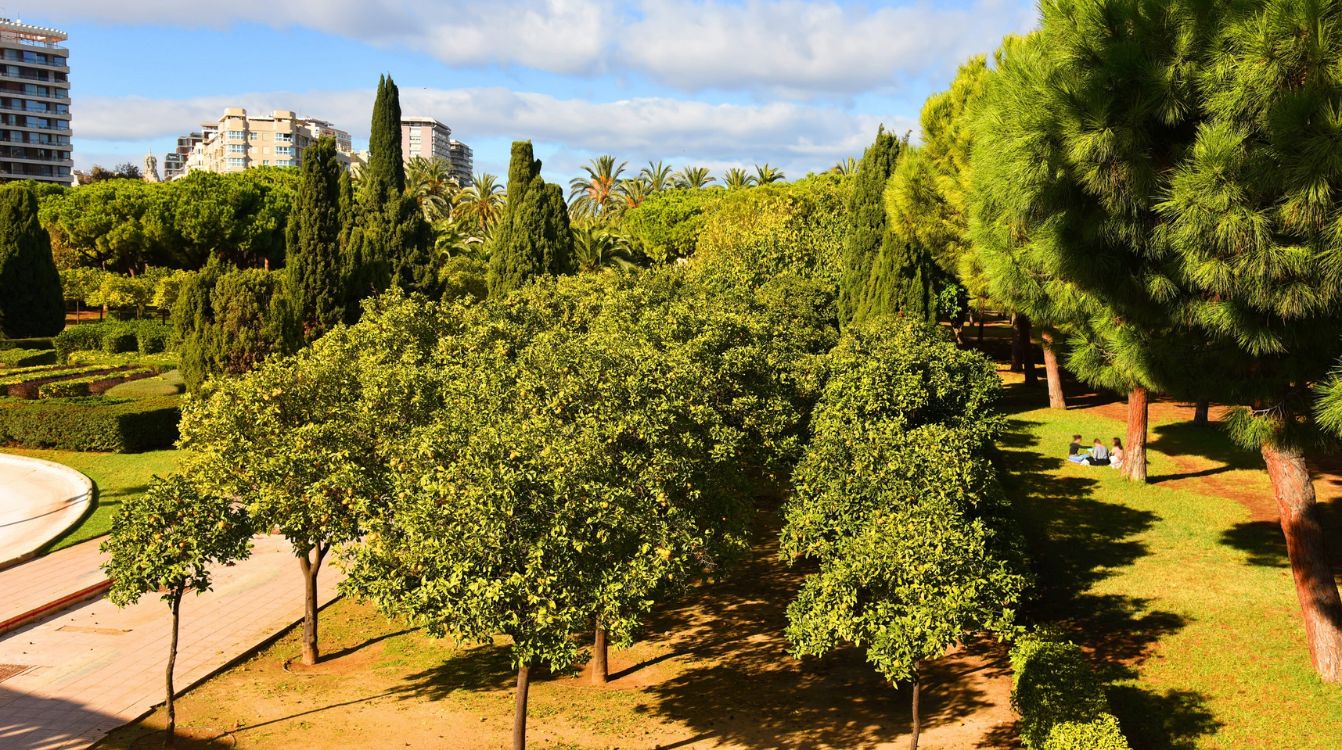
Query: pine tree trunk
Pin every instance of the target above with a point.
(980, 325)
(1202, 412)
(600, 665)
(1052, 373)
(520, 712)
(311, 568)
(169, 737)
(917, 713)
(1026, 355)
(1134, 453)
(1017, 349)
(1306, 547)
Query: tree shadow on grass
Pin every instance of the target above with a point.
(1207, 441)
(1077, 541)
(487, 667)
(739, 685)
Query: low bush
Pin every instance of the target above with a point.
(91, 424)
(90, 385)
(27, 374)
(78, 338)
(114, 337)
(26, 357)
(43, 344)
(119, 337)
(151, 336)
(1060, 700)
(163, 361)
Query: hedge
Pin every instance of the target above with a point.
(114, 337)
(92, 424)
(43, 344)
(26, 357)
(1060, 700)
(27, 374)
(90, 385)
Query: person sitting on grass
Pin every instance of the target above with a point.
(1116, 455)
(1074, 452)
(1099, 455)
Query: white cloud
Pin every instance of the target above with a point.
(797, 136)
(792, 47)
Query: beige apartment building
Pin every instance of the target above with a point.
(431, 139)
(34, 104)
(239, 140)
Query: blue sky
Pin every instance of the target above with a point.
(721, 83)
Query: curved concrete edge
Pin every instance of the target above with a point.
(39, 501)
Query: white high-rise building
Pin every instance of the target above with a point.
(34, 104)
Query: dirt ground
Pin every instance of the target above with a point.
(712, 672)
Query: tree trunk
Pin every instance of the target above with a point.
(311, 567)
(1017, 350)
(1134, 445)
(1052, 373)
(600, 664)
(917, 714)
(1020, 348)
(1306, 547)
(980, 324)
(520, 712)
(169, 736)
(1201, 412)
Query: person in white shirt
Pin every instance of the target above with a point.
(1116, 455)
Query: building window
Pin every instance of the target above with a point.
(253, 136)
(236, 135)
(284, 150)
(234, 161)
(237, 148)
(284, 137)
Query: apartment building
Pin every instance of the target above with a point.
(34, 104)
(239, 140)
(175, 162)
(431, 139)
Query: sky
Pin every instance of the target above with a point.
(800, 84)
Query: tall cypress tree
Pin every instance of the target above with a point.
(866, 211)
(533, 236)
(393, 243)
(314, 262)
(901, 281)
(31, 303)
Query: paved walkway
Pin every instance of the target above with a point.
(93, 668)
(39, 500)
(50, 582)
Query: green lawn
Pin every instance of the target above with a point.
(1184, 597)
(115, 476)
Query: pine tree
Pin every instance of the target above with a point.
(533, 236)
(314, 260)
(866, 211)
(392, 244)
(31, 303)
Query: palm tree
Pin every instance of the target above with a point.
(657, 176)
(847, 166)
(596, 248)
(694, 177)
(431, 184)
(633, 193)
(596, 194)
(737, 178)
(482, 202)
(765, 174)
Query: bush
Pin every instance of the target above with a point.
(93, 424)
(29, 374)
(1060, 700)
(151, 337)
(118, 338)
(78, 338)
(89, 385)
(25, 344)
(26, 357)
(164, 360)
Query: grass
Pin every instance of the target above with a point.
(1179, 588)
(116, 476)
(167, 384)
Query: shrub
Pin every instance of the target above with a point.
(26, 357)
(89, 385)
(164, 360)
(151, 337)
(78, 338)
(44, 343)
(1060, 700)
(119, 338)
(30, 374)
(92, 424)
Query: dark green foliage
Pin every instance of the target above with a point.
(39, 343)
(144, 336)
(868, 221)
(79, 338)
(227, 321)
(1061, 703)
(902, 282)
(533, 237)
(26, 357)
(93, 424)
(315, 263)
(31, 301)
(384, 175)
(119, 338)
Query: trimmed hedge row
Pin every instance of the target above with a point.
(26, 357)
(91, 385)
(95, 424)
(113, 337)
(43, 344)
(18, 377)
(1060, 700)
